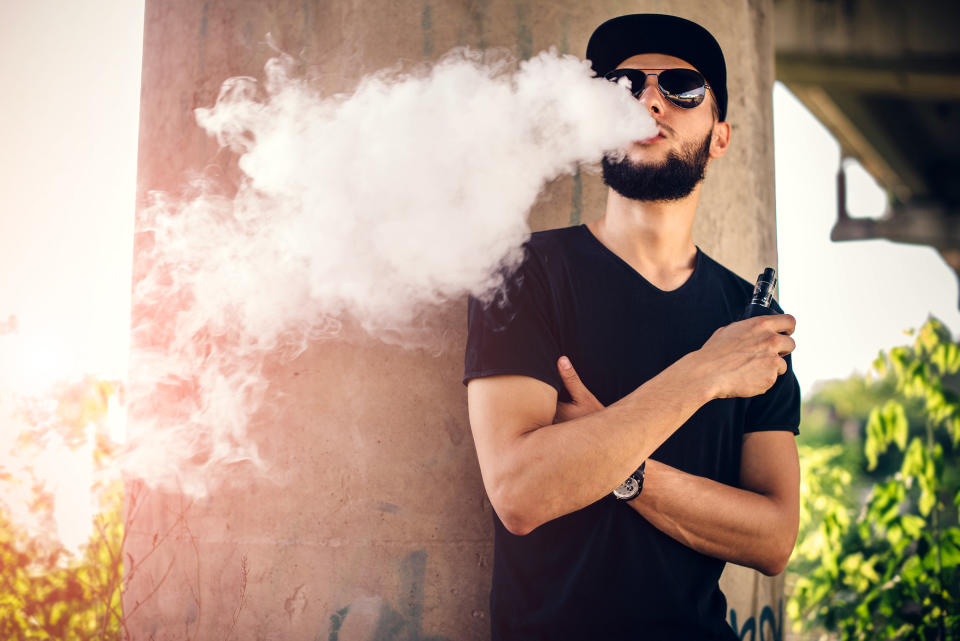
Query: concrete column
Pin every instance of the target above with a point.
(387, 533)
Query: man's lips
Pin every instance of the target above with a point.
(647, 141)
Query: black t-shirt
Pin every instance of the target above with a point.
(603, 572)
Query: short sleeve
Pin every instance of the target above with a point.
(517, 332)
(779, 407)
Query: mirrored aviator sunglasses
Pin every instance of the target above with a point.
(685, 88)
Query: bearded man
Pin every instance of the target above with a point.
(695, 409)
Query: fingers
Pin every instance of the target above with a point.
(784, 344)
(571, 380)
(781, 323)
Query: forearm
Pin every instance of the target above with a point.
(737, 525)
(560, 468)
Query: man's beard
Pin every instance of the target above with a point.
(673, 179)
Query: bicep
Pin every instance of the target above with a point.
(502, 409)
(769, 465)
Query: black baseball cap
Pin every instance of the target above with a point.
(619, 38)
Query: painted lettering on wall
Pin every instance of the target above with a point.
(769, 627)
(402, 623)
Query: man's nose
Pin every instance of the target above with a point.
(650, 96)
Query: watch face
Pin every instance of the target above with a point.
(627, 490)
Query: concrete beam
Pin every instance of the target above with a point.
(929, 79)
(880, 162)
(847, 29)
(913, 223)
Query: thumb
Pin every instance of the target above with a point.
(571, 380)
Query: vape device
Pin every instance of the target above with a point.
(759, 304)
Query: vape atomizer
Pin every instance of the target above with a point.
(759, 304)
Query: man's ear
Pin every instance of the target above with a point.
(719, 139)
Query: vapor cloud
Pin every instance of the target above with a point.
(365, 208)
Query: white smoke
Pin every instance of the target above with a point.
(412, 191)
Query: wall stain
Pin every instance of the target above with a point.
(426, 26)
(389, 508)
(307, 26)
(524, 35)
(565, 36)
(296, 604)
(476, 13)
(413, 570)
(576, 199)
(202, 53)
(454, 432)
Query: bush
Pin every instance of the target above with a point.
(47, 591)
(889, 569)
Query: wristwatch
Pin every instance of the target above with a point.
(630, 489)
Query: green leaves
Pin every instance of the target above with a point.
(45, 591)
(888, 567)
(924, 466)
(950, 548)
(44, 597)
(887, 425)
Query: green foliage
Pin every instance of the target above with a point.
(889, 568)
(46, 594)
(46, 591)
(826, 515)
(841, 411)
(887, 424)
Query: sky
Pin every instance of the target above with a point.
(851, 298)
(71, 75)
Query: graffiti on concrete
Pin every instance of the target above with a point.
(336, 620)
(769, 627)
(397, 625)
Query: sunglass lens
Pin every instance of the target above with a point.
(636, 77)
(683, 87)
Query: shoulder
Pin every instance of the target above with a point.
(551, 251)
(558, 241)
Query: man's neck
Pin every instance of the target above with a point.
(653, 237)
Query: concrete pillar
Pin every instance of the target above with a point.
(387, 533)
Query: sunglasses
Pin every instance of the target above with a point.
(685, 88)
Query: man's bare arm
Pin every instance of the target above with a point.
(755, 526)
(535, 471)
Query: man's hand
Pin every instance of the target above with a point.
(746, 357)
(583, 401)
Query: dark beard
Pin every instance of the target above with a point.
(674, 179)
